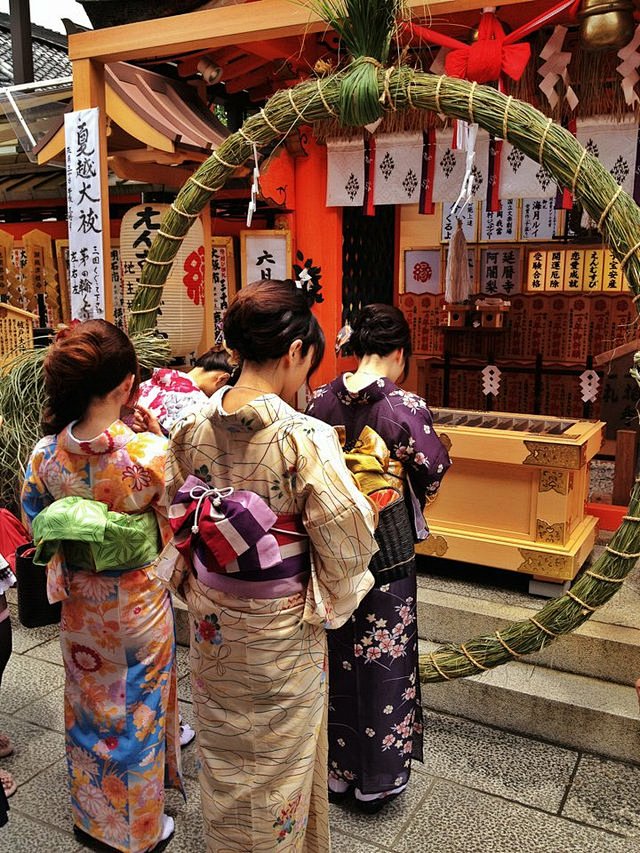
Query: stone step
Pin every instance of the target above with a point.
(599, 648)
(181, 615)
(574, 711)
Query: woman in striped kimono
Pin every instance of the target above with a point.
(272, 543)
(98, 487)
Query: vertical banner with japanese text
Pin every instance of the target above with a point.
(84, 215)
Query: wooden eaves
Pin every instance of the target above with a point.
(227, 25)
(204, 31)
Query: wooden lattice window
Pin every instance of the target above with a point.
(368, 251)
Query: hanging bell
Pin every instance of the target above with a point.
(606, 24)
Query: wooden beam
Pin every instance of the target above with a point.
(88, 92)
(53, 148)
(242, 67)
(616, 353)
(213, 29)
(149, 173)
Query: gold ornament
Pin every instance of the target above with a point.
(606, 24)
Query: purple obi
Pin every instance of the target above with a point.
(236, 543)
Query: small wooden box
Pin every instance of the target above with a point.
(491, 319)
(492, 315)
(454, 316)
(515, 496)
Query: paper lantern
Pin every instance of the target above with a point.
(181, 314)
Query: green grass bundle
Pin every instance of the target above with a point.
(348, 97)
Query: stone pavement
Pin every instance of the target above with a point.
(481, 789)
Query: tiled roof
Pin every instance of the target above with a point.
(49, 53)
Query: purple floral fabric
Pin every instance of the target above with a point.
(375, 712)
(402, 420)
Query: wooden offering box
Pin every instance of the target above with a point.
(514, 497)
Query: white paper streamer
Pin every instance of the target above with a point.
(554, 69)
(589, 385)
(491, 376)
(628, 68)
(466, 191)
(437, 66)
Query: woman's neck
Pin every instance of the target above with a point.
(370, 368)
(98, 417)
(253, 382)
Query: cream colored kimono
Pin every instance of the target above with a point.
(258, 665)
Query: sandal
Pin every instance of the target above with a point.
(8, 783)
(6, 747)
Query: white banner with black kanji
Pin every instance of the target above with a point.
(84, 214)
(345, 172)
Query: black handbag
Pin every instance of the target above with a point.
(34, 608)
(394, 534)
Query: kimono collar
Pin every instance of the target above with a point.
(173, 380)
(265, 410)
(113, 438)
(376, 390)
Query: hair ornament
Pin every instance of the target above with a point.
(308, 278)
(343, 337)
(64, 330)
(302, 282)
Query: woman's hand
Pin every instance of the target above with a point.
(144, 421)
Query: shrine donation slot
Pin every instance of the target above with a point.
(515, 496)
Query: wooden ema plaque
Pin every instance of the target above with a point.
(514, 497)
(423, 315)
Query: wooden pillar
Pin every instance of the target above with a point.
(625, 469)
(88, 92)
(21, 44)
(317, 234)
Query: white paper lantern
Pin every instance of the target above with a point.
(181, 314)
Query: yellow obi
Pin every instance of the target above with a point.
(378, 476)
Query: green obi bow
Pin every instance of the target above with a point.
(92, 538)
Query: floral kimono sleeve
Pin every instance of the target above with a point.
(35, 495)
(34, 498)
(417, 447)
(340, 522)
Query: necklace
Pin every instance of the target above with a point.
(367, 373)
(253, 388)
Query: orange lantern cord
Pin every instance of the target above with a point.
(494, 54)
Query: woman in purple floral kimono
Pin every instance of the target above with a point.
(375, 715)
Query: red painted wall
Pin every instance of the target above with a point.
(317, 232)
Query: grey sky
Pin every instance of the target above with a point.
(48, 13)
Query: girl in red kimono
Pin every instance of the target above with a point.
(375, 715)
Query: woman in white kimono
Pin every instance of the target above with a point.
(273, 542)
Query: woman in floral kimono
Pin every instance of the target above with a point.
(375, 715)
(117, 629)
(273, 539)
(170, 393)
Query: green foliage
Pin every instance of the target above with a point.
(366, 29)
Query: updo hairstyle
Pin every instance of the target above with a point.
(379, 330)
(90, 361)
(266, 317)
